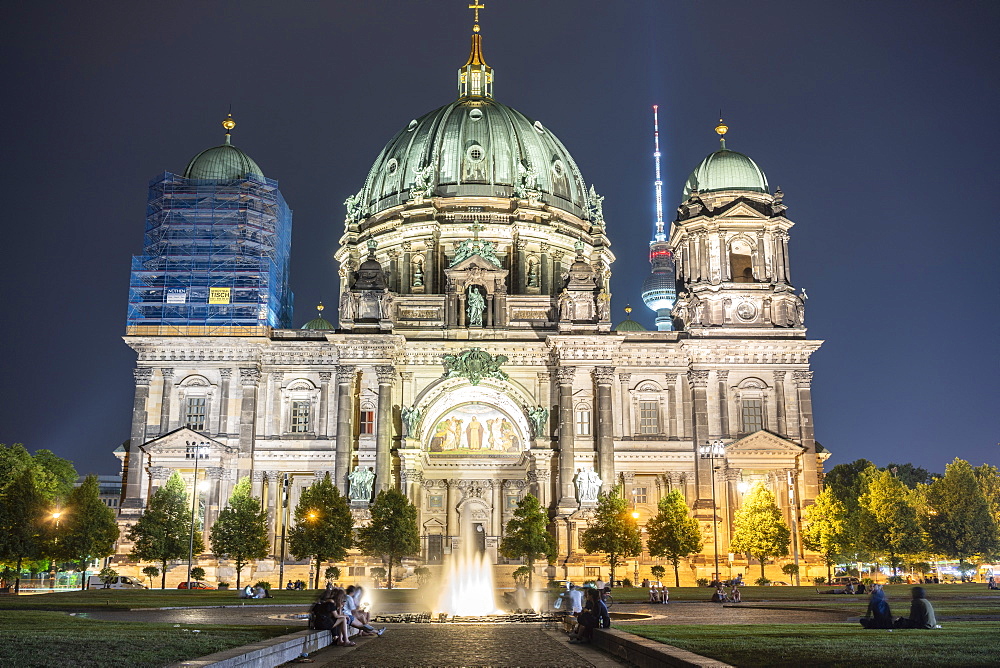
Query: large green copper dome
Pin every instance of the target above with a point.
(474, 147)
(726, 170)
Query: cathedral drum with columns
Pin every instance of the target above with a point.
(474, 360)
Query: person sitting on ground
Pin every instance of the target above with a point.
(664, 595)
(260, 592)
(734, 594)
(878, 615)
(654, 595)
(861, 588)
(719, 595)
(849, 589)
(290, 586)
(921, 613)
(247, 592)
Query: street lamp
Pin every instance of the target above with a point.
(284, 527)
(712, 451)
(55, 541)
(196, 449)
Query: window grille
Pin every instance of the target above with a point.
(753, 415)
(300, 417)
(649, 417)
(194, 414)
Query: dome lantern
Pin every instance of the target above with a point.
(725, 170)
(475, 78)
(224, 162)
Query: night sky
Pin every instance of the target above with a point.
(877, 119)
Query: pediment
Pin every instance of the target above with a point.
(763, 443)
(179, 439)
(741, 209)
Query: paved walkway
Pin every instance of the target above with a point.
(447, 645)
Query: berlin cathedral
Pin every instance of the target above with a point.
(474, 359)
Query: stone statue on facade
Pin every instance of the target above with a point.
(538, 416)
(527, 181)
(484, 249)
(595, 205)
(565, 305)
(422, 181)
(361, 484)
(410, 416)
(347, 305)
(588, 485)
(353, 204)
(385, 305)
(475, 364)
(475, 305)
(418, 274)
(604, 306)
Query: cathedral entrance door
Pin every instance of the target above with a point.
(479, 537)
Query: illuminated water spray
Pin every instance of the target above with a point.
(468, 582)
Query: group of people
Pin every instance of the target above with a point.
(255, 592)
(586, 612)
(878, 615)
(339, 610)
(658, 594)
(720, 595)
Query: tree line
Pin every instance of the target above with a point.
(902, 515)
(44, 519)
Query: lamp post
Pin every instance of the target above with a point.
(197, 449)
(55, 541)
(794, 513)
(742, 487)
(712, 451)
(284, 528)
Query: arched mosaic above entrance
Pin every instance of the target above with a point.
(474, 430)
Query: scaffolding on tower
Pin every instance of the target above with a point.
(215, 259)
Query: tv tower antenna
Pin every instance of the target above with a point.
(658, 184)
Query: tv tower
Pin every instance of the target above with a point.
(658, 290)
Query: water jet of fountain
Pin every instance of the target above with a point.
(468, 583)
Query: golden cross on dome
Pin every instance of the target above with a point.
(476, 6)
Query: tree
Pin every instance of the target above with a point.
(240, 531)
(613, 531)
(150, 572)
(162, 532)
(959, 522)
(332, 573)
(888, 520)
(759, 529)
(87, 528)
(392, 533)
(824, 528)
(197, 573)
(659, 572)
(22, 511)
(527, 537)
(989, 481)
(323, 525)
(910, 475)
(673, 533)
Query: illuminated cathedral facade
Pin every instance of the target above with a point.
(474, 360)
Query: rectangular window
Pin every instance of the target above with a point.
(583, 423)
(591, 571)
(356, 571)
(194, 415)
(191, 451)
(753, 415)
(300, 417)
(367, 422)
(639, 494)
(435, 549)
(649, 417)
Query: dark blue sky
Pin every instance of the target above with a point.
(877, 119)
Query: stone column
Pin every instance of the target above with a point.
(626, 405)
(543, 266)
(454, 494)
(274, 398)
(723, 378)
(725, 269)
(345, 412)
(383, 429)
(133, 481)
(810, 483)
(249, 379)
(702, 467)
(603, 377)
(779, 401)
(213, 501)
(324, 404)
(167, 374)
(225, 375)
(498, 500)
(157, 477)
(257, 483)
(555, 273)
(671, 379)
(566, 447)
(545, 400)
(489, 310)
(784, 257)
(273, 505)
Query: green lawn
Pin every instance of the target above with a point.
(34, 639)
(957, 644)
(897, 593)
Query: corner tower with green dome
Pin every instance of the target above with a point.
(216, 252)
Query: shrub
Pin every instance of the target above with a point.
(895, 579)
(152, 572)
(520, 575)
(790, 569)
(107, 574)
(762, 582)
(197, 573)
(263, 583)
(868, 582)
(820, 580)
(627, 582)
(702, 582)
(332, 573)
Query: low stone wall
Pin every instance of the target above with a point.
(645, 653)
(264, 654)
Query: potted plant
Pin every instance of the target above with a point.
(223, 585)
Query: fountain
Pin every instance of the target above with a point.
(468, 583)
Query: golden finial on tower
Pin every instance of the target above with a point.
(229, 123)
(628, 310)
(476, 6)
(721, 129)
(319, 309)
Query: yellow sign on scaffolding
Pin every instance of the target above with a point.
(219, 295)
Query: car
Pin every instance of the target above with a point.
(194, 585)
(117, 582)
(843, 581)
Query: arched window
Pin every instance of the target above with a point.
(300, 399)
(648, 397)
(583, 419)
(741, 261)
(367, 421)
(752, 395)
